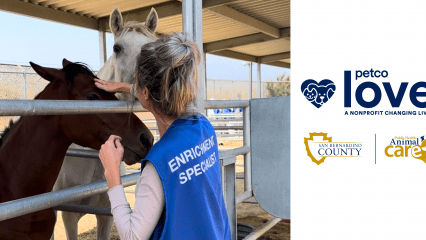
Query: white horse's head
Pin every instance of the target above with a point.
(129, 37)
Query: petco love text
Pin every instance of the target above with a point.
(417, 90)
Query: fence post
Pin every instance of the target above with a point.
(214, 89)
(227, 167)
(192, 25)
(259, 80)
(232, 93)
(251, 81)
(102, 43)
(246, 142)
(25, 85)
(25, 81)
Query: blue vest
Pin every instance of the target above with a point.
(187, 161)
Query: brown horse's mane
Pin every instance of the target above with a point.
(71, 70)
(5, 132)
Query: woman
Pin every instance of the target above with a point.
(180, 192)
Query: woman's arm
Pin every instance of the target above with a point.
(114, 87)
(111, 155)
(139, 223)
(149, 204)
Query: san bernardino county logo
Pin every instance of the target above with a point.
(318, 93)
(406, 146)
(319, 147)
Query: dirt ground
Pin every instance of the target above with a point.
(247, 213)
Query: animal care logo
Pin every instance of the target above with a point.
(406, 146)
(319, 147)
(318, 93)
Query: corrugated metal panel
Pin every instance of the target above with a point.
(214, 28)
(170, 24)
(97, 8)
(273, 12)
(126, 6)
(265, 48)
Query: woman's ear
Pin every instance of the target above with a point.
(143, 97)
(145, 93)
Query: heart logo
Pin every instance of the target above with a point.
(318, 93)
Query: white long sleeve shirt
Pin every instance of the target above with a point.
(140, 222)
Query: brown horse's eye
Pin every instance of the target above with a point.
(92, 96)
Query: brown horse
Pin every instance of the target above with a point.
(33, 149)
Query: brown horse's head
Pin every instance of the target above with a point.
(76, 82)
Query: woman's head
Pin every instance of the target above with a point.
(168, 69)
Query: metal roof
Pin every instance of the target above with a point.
(250, 30)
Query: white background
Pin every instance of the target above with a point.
(354, 198)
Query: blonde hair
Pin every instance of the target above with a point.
(168, 68)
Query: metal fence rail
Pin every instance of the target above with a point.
(105, 211)
(213, 120)
(83, 153)
(262, 229)
(64, 107)
(215, 128)
(209, 104)
(234, 152)
(36, 203)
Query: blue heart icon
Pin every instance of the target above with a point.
(318, 93)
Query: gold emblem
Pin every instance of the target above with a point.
(422, 155)
(311, 138)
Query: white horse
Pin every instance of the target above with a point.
(128, 40)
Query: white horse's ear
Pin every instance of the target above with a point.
(116, 21)
(152, 20)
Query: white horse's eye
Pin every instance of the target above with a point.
(117, 49)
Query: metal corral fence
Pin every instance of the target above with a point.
(53, 199)
(18, 82)
(227, 126)
(21, 82)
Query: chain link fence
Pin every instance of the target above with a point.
(18, 82)
(276, 89)
(231, 89)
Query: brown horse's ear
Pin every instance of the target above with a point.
(50, 74)
(65, 62)
(116, 21)
(152, 20)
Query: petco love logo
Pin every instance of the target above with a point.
(416, 93)
(318, 93)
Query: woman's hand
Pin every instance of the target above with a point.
(111, 155)
(113, 87)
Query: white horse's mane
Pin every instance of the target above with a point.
(137, 27)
